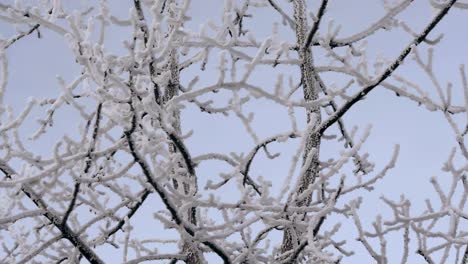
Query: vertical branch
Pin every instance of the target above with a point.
(176, 146)
(316, 25)
(311, 87)
(151, 64)
(161, 191)
(88, 162)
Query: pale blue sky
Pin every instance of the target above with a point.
(425, 137)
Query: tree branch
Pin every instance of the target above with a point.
(66, 231)
(11, 41)
(282, 13)
(162, 193)
(372, 29)
(316, 25)
(388, 72)
(88, 159)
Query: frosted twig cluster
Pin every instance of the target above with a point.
(129, 159)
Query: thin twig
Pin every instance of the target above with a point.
(20, 36)
(387, 73)
(316, 25)
(282, 13)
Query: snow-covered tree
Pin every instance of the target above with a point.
(227, 131)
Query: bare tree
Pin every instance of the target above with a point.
(128, 161)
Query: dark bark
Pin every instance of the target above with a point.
(311, 88)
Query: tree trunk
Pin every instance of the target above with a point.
(311, 89)
(189, 181)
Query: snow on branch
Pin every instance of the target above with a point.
(180, 133)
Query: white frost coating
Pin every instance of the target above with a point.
(19, 120)
(56, 10)
(261, 52)
(3, 78)
(134, 151)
